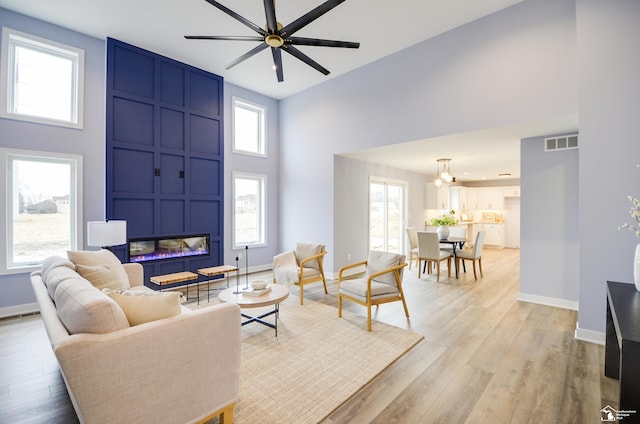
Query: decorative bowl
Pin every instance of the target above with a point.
(259, 284)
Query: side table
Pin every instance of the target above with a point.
(176, 277)
(622, 350)
(214, 271)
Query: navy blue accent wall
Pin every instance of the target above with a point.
(164, 127)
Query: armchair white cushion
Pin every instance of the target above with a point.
(300, 266)
(381, 284)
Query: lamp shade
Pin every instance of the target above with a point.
(106, 233)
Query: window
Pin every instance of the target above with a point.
(387, 214)
(42, 81)
(248, 209)
(41, 205)
(249, 122)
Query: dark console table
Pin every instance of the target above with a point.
(622, 352)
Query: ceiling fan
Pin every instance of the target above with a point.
(279, 37)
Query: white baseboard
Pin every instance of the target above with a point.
(549, 301)
(12, 311)
(589, 335)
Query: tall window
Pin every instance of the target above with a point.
(249, 128)
(41, 205)
(387, 200)
(42, 80)
(249, 206)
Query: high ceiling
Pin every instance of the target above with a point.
(381, 27)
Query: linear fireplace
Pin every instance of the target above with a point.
(158, 248)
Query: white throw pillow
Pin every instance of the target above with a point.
(92, 257)
(143, 306)
(105, 276)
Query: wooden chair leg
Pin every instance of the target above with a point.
(324, 281)
(369, 318)
(474, 270)
(438, 274)
(301, 293)
(449, 266)
(480, 265)
(339, 306)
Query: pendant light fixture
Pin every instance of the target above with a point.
(443, 172)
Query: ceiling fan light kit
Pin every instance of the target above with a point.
(278, 37)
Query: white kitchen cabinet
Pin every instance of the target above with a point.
(493, 234)
(490, 198)
(458, 198)
(442, 196)
(472, 198)
(513, 191)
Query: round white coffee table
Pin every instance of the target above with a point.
(277, 294)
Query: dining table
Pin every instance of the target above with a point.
(455, 242)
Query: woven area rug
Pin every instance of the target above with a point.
(316, 363)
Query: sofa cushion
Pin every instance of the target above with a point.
(105, 276)
(142, 306)
(96, 258)
(57, 275)
(83, 308)
(53, 262)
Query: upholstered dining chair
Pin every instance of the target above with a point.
(429, 251)
(381, 284)
(300, 266)
(474, 255)
(413, 244)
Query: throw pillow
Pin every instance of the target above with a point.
(142, 306)
(92, 257)
(379, 261)
(105, 276)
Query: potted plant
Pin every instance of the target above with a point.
(443, 223)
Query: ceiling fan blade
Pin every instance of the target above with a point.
(223, 37)
(270, 13)
(277, 63)
(309, 17)
(306, 59)
(302, 41)
(239, 18)
(247, 55)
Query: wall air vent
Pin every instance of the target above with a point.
(564, 142)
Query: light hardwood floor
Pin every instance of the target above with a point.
(486, 358)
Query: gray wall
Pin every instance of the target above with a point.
(88, 142)
(351, 197)
(258, 256)
(515, 66)
(549, 239)
(609, 77)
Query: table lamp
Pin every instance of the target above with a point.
(106, 233)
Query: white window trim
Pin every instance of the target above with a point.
(263, 206)
(263, 114)
(6, 202)
(11, 36)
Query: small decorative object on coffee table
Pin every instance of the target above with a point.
(274, 296)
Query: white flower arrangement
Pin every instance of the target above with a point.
(635, 214)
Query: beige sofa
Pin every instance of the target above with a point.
(180, 369)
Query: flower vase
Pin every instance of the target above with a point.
(443, 234)
(636, 267)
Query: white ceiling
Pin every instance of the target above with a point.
(382, 27)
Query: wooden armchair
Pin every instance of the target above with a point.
(301, 266)
(382, 283)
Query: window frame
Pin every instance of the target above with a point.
(262, 206)
(10, 40)
(7, 156)
(261, 111)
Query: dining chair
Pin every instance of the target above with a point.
(381, 284)
(413, 244)
(429, 251)
(457, 231)
(474, 255)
